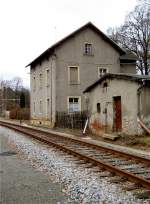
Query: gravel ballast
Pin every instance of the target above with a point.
(83, 185)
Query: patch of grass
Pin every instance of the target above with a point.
(147, 140)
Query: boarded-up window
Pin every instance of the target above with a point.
(73, 75)
(74, 105)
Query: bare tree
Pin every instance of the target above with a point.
(10, 91)
(134, 35)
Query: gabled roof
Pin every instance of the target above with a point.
(130, 77)
(129, 56)
(51, 49)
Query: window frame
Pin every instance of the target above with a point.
(78, 80)
(98, 71)
(79, 103)
(88, 53)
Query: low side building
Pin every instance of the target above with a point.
(117, 101)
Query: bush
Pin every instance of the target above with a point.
(20, 114)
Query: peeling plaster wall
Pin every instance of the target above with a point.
(129, 104)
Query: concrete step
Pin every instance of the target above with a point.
(110, 136)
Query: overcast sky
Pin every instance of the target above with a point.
(28, 27)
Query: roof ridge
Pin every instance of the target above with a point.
(90, 24)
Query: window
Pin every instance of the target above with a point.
(74, 104)
(102, 71)
(40, 106)
(47, 77)
(88, 49)
(40, 80)
(98, 107)
(34, 83)
(73, 73)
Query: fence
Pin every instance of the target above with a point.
(71, 120)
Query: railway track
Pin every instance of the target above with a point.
(129, 167)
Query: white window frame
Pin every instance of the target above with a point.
(78, 81)
(79, 101)
(98, 71)
(91, 52)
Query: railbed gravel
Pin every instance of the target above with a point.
(83, 185)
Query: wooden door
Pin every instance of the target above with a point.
(117, 124)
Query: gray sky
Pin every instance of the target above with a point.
(28, 27)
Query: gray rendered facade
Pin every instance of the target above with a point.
(70, 52)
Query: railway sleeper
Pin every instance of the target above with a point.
(119, 179)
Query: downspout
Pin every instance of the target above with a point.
(139, 119)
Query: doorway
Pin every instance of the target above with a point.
(117, 112)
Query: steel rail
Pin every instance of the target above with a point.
(139, 180)
(117, 152)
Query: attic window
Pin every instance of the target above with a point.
(88, 49)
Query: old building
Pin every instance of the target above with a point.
(61, 73)
(117, 102)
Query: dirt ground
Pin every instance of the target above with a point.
(133, 141)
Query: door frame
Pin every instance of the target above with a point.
(117, 114)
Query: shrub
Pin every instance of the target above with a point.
(20, 114)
